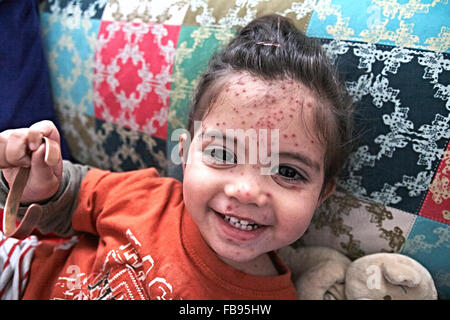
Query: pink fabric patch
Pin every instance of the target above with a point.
(132, 75)
(437, 202)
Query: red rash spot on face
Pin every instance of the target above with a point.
(293, 135)
(217, 124)
(243, 122)
(228, 208)
(312, 141)
(223, 123)
(296, 144)
(269, 195)
(285, 135)
(247, 193)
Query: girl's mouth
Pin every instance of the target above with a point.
(238, 228)
(240, 223)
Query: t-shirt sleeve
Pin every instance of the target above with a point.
(104, 189)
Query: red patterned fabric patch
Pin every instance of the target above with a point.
(437, 202)
(132, 73)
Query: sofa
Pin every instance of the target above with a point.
(121, 73)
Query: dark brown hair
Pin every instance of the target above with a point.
(272, 48)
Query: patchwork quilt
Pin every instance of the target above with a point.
(122, 73)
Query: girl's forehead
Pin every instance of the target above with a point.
(247, 84)
(248, 101)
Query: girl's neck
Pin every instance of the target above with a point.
(260, 266)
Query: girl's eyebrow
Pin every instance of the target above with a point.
(215, 133)
(303, 158)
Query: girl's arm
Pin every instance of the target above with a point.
(57, 210)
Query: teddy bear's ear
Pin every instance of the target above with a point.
(398, 273)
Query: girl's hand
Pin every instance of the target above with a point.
(26, 148)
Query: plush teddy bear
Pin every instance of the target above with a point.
(322, 273)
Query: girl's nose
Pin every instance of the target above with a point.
(246, 192)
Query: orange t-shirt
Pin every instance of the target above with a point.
(137, 241)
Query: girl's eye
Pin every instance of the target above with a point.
(290, 174)
(220, 155)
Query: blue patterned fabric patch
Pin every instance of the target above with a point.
(429, 244)
(402, 117)
(399, 23)
(122, 149)
(70, 45)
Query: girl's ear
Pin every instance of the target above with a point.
(327, 190)
(183, 149)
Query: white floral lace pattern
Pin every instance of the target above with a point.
(373, 87)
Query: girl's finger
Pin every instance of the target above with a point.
(16, 150)
(34, 139)
(47, 128)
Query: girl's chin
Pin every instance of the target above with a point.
(232, 254)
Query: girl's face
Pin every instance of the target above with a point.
(240, 212)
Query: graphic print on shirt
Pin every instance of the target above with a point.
(123, 276)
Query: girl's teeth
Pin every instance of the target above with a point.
(241, 224)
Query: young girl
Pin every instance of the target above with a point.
(141, 236)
